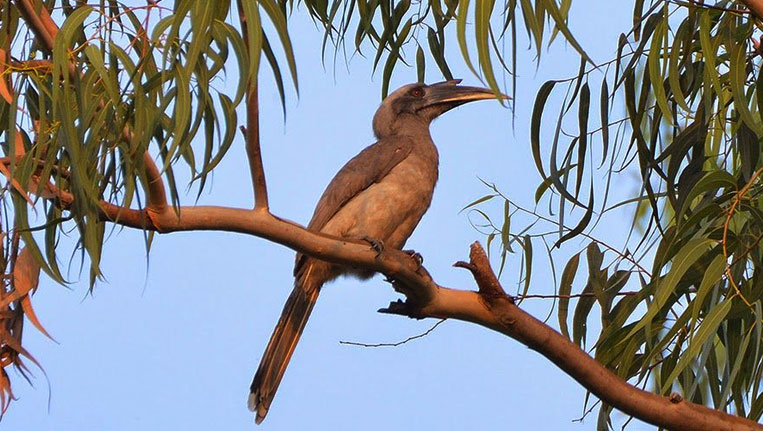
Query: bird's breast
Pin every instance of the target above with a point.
(389, 209)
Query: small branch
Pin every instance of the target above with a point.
(153, 186)
(42, 67)
(479, 266)
(253, 151)
(39, 21)
(252, 131)
(7, 161)
(755, 6)
(702, 4)
(737, 199)
(411, 338)
(157, 197)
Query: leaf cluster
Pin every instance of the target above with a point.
(680, 302)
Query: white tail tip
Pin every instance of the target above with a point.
(252, 402)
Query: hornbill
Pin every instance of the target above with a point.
(379, 195)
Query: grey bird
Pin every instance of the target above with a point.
(379, 195)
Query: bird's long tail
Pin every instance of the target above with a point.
(282, 343)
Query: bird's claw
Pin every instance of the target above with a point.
(376, 244)
(416, 256)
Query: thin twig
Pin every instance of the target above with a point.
(423, 334)
(574, 295)
(747, 251)
(587, 412)
(590, 237)
(703, 5)
(724, 242)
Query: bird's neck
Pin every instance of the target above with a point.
(403, 125)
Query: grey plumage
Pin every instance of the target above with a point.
(381, 193)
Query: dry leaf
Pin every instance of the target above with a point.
(16, 346)
(18, 144)
(26, 276)
(6, 394)
(15, 183)
(26, 305)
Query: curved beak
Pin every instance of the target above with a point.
(444, 96)
(448, 94)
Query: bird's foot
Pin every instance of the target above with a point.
(416, 256)
(377, 245)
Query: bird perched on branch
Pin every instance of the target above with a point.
(379, 195)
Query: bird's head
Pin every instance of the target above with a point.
(419, 104)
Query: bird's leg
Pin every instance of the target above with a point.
(376, 244)
(416, 256)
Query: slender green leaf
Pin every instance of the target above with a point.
(712, 276)
(535, 121)
(704, 334)
(583, 107)
(278, 18)
(528, 258)
(685, 258)
(559, 19)
(483, 9)
(463, 11)
(565, 288)
(738, 75)
(582, 224)
(655, 73)
(604, 115)
(534, 28)
(253, 38)
(479, 201)
(420, 65)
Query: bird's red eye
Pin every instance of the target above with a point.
(417, 92)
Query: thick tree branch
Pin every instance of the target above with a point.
(755, 6)
(39, 21)
(252, 130)
(489, 307)
(500, 314)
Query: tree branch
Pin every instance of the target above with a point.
(490, 307)
(252, 130)
(39, 21)
(153, 184)
(157, 197)
(500, 314)
(755, 6)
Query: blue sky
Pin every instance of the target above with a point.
(174, 344)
